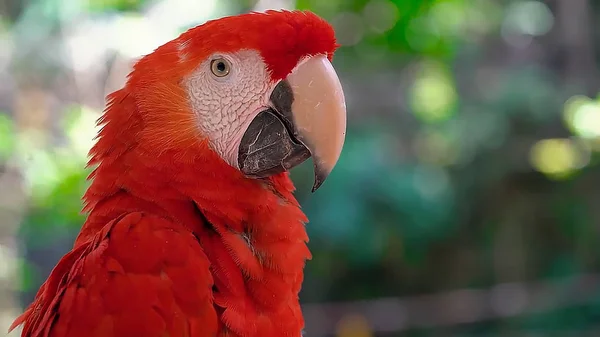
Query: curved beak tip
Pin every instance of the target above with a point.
(320, 177)
(319, 113)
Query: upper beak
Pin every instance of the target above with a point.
(307, 118)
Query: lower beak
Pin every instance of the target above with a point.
(307, 118)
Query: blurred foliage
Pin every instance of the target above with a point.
(7, 137)
(56, 176)
(115, 5)
(471, 157)
(428, 27)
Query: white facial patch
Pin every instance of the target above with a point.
(225, 106)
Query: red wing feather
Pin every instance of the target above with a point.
(140, 276)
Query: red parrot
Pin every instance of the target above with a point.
(192, 226)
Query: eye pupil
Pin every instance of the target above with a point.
(220, 67)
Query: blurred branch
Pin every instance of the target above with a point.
(455, 307)
(590, 332)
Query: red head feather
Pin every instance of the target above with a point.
(281, 37)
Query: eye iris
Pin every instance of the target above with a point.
(220, 67)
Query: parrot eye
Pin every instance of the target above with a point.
(220, 67)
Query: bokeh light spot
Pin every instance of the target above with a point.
(582, 116)
(529, 18)
(381, 15)
(433, 96)
(354, 325)
(349, 28)
(448, 18)
(558, 158)
(524, 20)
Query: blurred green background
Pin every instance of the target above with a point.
(465, 202)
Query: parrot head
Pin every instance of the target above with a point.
(258, 88)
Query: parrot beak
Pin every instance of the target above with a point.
(307, 118)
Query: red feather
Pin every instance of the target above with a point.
(177, 242)
(141, 275)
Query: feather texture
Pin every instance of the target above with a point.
(177, 242)
(140, 276)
